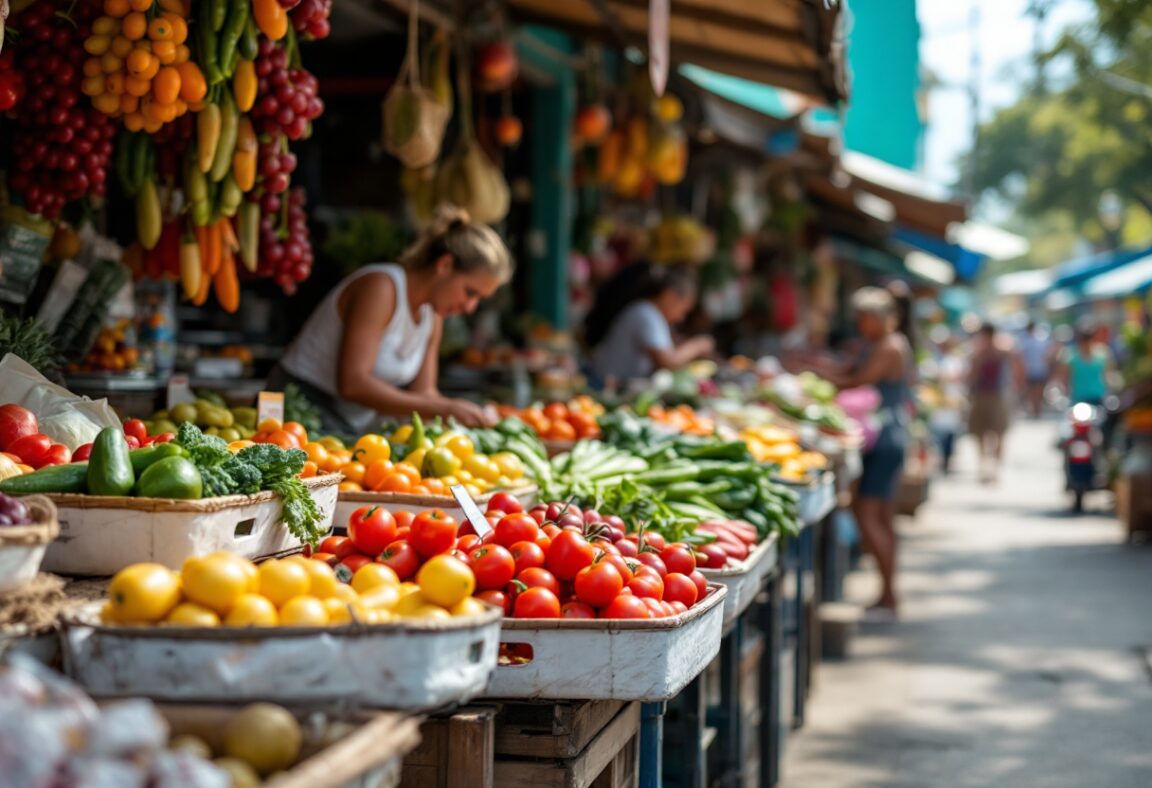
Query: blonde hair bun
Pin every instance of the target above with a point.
(473, 246)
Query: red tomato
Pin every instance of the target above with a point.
(403, 519)
(339, 546)
(655, 607)
(627, 548)
(678, 607)
(714, 556)
(505, 502)
(461, 556)
(626, 606)
(608, 547)
(569, 553)
(493, 520)
(535, 577)
(527, 555)
(351, 564)
(433, 532)
(136, 428)
(468, 542)
(493, 566)
(678, 557)
(132, 441)
(371, 529)
(402, 557)
(551, 530)
(15, 423)
(326, 558)
(404, 533)
(622, 567)
(497, 598)
(647, 586)
(544, 541)
(537, 516)
(58, 454)
(536, 603)
(701, 582)
(82, 453)
(648, 558)
(466, 528)
(577, 610)
(514, 528)
(669, 608)
(164, 437)
(599, 584)
(654, 540)
(680, 588)
(33, 449)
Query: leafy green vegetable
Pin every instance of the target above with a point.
(26, 339)
(279, 469)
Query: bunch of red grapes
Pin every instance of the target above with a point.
(310, 17)
(286, 98)
(276, 165)
(61, 144)
(286, 250)
(171, 141)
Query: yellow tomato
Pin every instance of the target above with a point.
(354, 473)
(189, 614)
(410, 599)
(509, 464)
(372, 576)
(282, 580)
(143, 593)
(465, 477)
(317, 452)
(339, 612)
(236, 446)
(380, 598)
(331, 443)
(428, 612)
(345, 593)
(445, 580)
(402, 434)
(371, 448)
(470, 606)
(269, 425)
(460, 445)
(482, 468)
(322, 579)
(473, 490)
(252, 610)
(303, 611)
(107, 613)
(214, 581)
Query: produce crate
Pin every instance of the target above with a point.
(817, 498)
(22, 547)
(404, 665)
(570, 744)
(367, 756)
(348, 502)
(745, 580)
(638, 659)
(100, 535)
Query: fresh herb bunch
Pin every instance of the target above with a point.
(26, 339)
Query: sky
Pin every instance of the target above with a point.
(1005, 38)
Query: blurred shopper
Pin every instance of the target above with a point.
(629, 328)
(1036, 353)
(884, 365)
(951, 373)
(995, 374)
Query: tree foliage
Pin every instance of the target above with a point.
(1062, 146)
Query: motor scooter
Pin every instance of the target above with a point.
(1083, 441)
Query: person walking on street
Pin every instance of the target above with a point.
(947, 420)
(1087, 367)
(994, 371)
(1036, 352)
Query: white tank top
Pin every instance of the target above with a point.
(315, 353)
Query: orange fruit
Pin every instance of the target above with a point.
(396, 482)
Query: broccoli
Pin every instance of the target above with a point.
(279, 469)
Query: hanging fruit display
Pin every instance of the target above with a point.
(61, 145)
(496, 66)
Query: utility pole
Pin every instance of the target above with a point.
(973, 97)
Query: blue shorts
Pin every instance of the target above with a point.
(882, 468)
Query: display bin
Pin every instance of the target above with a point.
(817, 498)
(22, 547)
(401, 665)
(100, 535)
(634, 659)
(349, 502)
(567, 744)
(366, 753)
(745, 579)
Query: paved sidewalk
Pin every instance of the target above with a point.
(1024, 657)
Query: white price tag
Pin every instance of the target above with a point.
(179, 390)
(270, 405)
(479, 522)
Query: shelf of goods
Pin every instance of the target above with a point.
(402, 665)
(645, 660)
(99, 535)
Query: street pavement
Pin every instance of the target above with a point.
(1024, 653)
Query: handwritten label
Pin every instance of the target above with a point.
(179, 390)
(479, 522)
(270, 405)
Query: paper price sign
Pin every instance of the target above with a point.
(479, 522)
(270, 405)
(179, 390)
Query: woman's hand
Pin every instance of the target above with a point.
(470, 414)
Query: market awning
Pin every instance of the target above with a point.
(989, 241)
(921, 205)
(794, 44)
(1023, 283)
(1076, 273)
(930, 268)
(1132, 278)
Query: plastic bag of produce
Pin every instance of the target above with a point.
(414, 119)
(63, 416)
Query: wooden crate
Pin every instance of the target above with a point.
(569, 744)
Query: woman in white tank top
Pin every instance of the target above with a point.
(370, 349)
